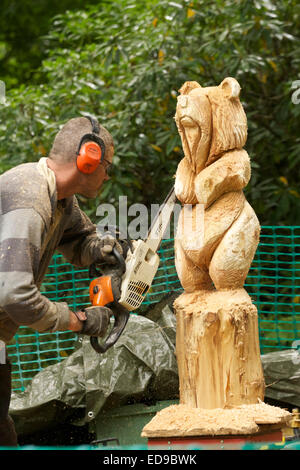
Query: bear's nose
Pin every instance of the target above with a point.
(183, 101)
(186, 121)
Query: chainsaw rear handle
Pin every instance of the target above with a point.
(121, 314)
(121, 318)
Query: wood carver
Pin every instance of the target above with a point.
(217, 342)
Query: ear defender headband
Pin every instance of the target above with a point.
(91, 149)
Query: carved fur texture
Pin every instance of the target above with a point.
(213, 129)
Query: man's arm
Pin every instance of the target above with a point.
(21, 233)
(79, 238)
(80, 244)
(75, 323)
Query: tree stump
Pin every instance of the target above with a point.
(217, 349)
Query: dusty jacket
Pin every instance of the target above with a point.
(33, 224)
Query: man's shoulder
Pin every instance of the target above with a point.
(24, 187)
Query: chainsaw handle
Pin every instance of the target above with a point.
(93, 272)
(121, 314)
(120, 259)
(121, 318)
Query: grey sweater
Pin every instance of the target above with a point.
(33, 225)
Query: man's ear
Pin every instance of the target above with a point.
(231, 88)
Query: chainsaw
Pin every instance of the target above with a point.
(126, 285)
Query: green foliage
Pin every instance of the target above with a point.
(22, 23)
(124, 61)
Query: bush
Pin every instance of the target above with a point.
(124, 62)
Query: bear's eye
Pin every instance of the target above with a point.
(183, 101)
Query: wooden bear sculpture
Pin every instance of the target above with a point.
(217, 343)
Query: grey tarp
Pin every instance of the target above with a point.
(282, 376)
(141, 366)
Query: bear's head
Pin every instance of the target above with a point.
(210, 121)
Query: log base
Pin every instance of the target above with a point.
(217, 349)
(245, 420)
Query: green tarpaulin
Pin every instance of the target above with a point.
(140, 367)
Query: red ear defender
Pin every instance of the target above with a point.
(89, 157)
(91, 149)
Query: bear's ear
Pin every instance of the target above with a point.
(187, 87)
(231, 88)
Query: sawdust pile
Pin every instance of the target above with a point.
(181, 420)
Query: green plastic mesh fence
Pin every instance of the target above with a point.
(273, 283)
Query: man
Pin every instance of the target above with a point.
(39, 214)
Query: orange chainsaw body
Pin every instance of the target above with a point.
(100, 291)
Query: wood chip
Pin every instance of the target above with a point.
(181, 420)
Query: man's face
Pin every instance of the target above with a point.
(95, 180)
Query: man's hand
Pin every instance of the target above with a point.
(105, 247)
(107, 244)
(107, 240)
(92, 321)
